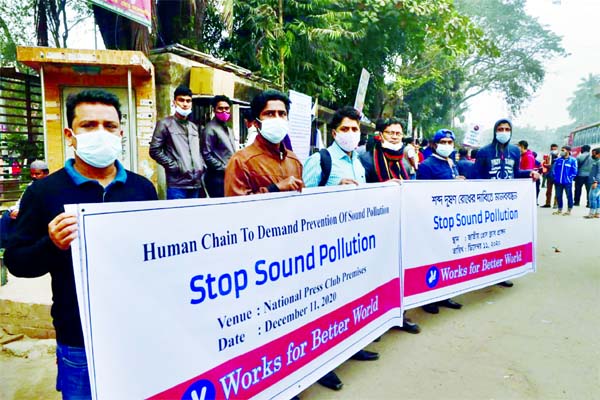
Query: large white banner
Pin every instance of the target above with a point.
(458, 236)
(246, 297)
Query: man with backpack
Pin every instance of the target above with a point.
(339, 164)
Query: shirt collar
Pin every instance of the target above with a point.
(338, 153)
(79, 179)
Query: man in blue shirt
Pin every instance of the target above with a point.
(346, 169)
(564, 171)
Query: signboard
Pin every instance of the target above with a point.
(248, 297)
(472, 137)
(300, 123)
(361, 92)
(139, 11)
(466, 235)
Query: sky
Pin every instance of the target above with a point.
(577, 22)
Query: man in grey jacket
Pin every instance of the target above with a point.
(218, 145)
(584, 167)
(176, 146)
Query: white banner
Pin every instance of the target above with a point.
(257, 296)
(300, 123)
(458, 236)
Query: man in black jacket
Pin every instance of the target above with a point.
(218, 145)
(44, 232)
(175, 145)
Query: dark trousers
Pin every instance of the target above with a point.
(214, 181)
(549, 184)
(580, 182)
(568, 189)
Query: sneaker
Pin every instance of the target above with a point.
(567, 213)
(597, 216)
(546, 206)
(588, 216)
(557, 212)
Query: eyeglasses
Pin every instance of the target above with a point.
(503, 129)
(393, 133)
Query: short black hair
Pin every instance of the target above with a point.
(91, 96)
(383, 123)
(474, 153)
(566, 147)
(182, 90)
(553, 145)
(344, 112)
(219, 98)
(259, 102)
(462, 152)
(408, 139)
(585, 148)
(524, 144)
(424, 142)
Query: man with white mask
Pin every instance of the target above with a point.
(500, 160)
(175, 145)
(44, 232)
(339, 164)
(343, 166)
(266, 165)
(440, 166)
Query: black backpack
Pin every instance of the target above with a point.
(325, 166)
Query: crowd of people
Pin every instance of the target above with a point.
(197, 160)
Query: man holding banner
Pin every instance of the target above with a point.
(44, 232)
(339, 164)
(500, 160)
(440, 166)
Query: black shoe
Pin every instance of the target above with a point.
(546, 206)
(331, 381)
(450, 304)
(409, 326)
(431, 308)
(365, 355)
(506, 284)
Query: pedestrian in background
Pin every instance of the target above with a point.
(564, 172)
(175, 145)
(218, 145)
(584, 167)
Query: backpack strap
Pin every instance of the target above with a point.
(325, 166)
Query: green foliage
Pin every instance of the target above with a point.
(16, 28)
(514, 64)
(584, 106)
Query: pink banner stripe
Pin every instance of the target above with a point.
(335, 327)
(422, 279)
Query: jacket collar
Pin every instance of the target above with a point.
(277, 150)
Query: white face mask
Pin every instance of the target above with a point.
(503, 137)
(274, 129)
(182, 112)
(444, 150)
(98, 149)
(348, 141)
(391, 146)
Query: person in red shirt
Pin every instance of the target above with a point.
(527, 158)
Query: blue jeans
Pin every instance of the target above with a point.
(72, 380)
(177, 193)
(568, 189)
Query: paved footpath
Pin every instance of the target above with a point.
(537, 340)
